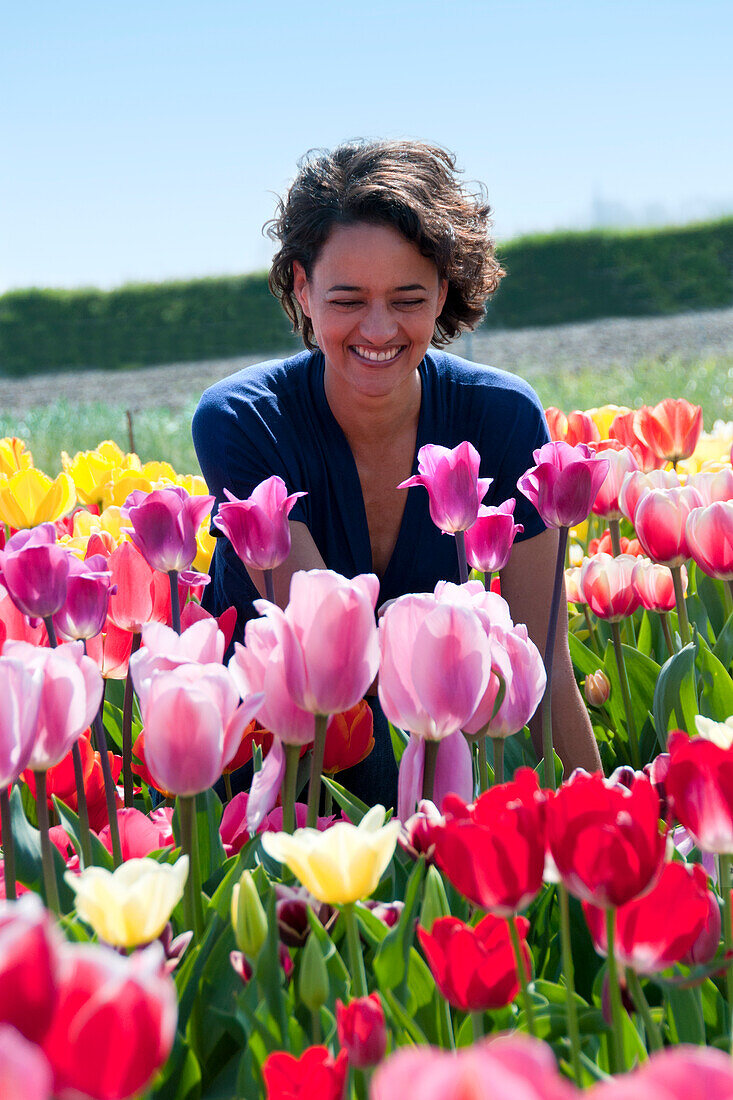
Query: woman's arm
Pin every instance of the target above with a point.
(304, 554)
(526, 584)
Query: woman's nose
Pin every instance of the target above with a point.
(379, 325)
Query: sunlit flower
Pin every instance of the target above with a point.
(13, 455)
(29, 497)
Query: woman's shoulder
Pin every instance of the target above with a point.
(476, 382)
(271, 381)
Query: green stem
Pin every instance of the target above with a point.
(679, 596)
(356, 959)
(109, 788)
(626, 695)
(8, 846)
(50, 631)
(547, 746)
(477, 1021)
(292, 757)
(483, 767)
(228, 786)
(446, 1025)
(314, 786)
(462, 563)
(521, 974)
(569, 972)
(498, 746)
(49, 877)
(614, 527)
(614, 992)
(127, 728)
(724, 868)
(316, 1033)
(488, 576)
(85, 836)
(269, 591)
(592, 636)
(428, 775)
(664, 617)
(175, 601)
(653, 1034)
(192, 906)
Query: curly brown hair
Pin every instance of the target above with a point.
(409, 185)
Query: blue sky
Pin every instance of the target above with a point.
(145, 140)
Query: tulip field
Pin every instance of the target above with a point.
(506, 930)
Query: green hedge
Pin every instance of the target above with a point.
(550, 279)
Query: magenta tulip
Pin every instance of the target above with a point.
(70, 698)
(29, 943)
(20, 700)
(84, 611)
(453, 772)
(103, 996)
(490, 539)
(564, 483)
(709, 533)
(258, 667)
(660, 519)
(621, 463)
(607, 588)
(654, 586)
(258, 527)
(454, 488)
(201, 703)
(329, 638)
(435, 665)
(637, 484)
(34, 570)
(24, 1070)
(164, 525)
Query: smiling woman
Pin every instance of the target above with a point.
(383, 253)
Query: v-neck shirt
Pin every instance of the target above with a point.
(275, 419)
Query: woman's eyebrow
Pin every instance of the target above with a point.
(343, 286)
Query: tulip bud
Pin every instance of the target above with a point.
(362, 1030)
(313, 984)
(597, 688)
(435, 900)
(248, 917)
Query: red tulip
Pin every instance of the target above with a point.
(557, 422)
(454, 487)
(564, 483)
(474, 967)
(709, 533)
(103, 995)
(654, 586)
(24, 1070)
(494, 851)
(699, 784)
(621, 463)
(35, 570)
(636, 485)
(606, 585)
(605, 838)
(627, 429)
(315, 1073)
(660, 521)
(349, 738)
(490, 539)
(111, 651)
(604, 545)
(28, 971)
(84, 610)
(660, 928)
(675, 1073)
(164, 525)
(362, 1030)
(258, 527)
(672, 428)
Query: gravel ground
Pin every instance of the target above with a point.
(527, 351)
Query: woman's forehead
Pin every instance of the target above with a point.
(360, 255)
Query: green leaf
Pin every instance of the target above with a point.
(644, 637)
(687, 1023)
(711, 593)
(642, 673)
(391, 958)
(584, 659)
(716, 694)
(28, 862)
(403, 1019)
(399, 740)
(519, 753)
(723, 648)
(207, 816)
(540, 770)
(181, 1077)
(675, 699)
(112, 719)
(352, 806)
(70, 821)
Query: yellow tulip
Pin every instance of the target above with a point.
(160, 471)
(110, 522)
(114, 454)
(205, 543)
(194, 484)
(712, 451)
(29, 497)
(121, 483)
(90, 472)
(132, 905)
(604, 416)
(343, 864)
(13, 455)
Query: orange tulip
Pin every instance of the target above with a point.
(672, 428)
(349, 738)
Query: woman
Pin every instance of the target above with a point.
(383, 253)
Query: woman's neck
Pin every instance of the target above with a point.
(367, 419)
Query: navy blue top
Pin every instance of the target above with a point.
(274, 419)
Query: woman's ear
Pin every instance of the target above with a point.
(300, 287)
(442, 295)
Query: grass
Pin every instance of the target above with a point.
(160, 433)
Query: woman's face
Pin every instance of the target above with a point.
(373, 300)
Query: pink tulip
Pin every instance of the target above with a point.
(454, 487)
(491, 608)
(20, 701)
(265, 787)
(435, 665)
(329, 638)
(234, 829)
(164, 525)
(34, 570)
(103, 996)
(709, 533)
(564, 483)
(29, 943)
(258, 526)
(84, 611)
(163, 649)
(453, 772)
(672, 428)
(713, 485)
(258, 666)
(490, 539)
(70, 698)
(607, 587)
(676, 1073)
(24, 1070)
(621, 463)
(654, 586)
(636, 485)
(201, 703)
(134, 603)
(141, 834)
(514, 1065)
(660, 524)
(572, 586)
(520, 664)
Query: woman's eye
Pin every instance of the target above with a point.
(338, 302)
(410, 302)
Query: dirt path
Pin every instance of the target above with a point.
(528, 351)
